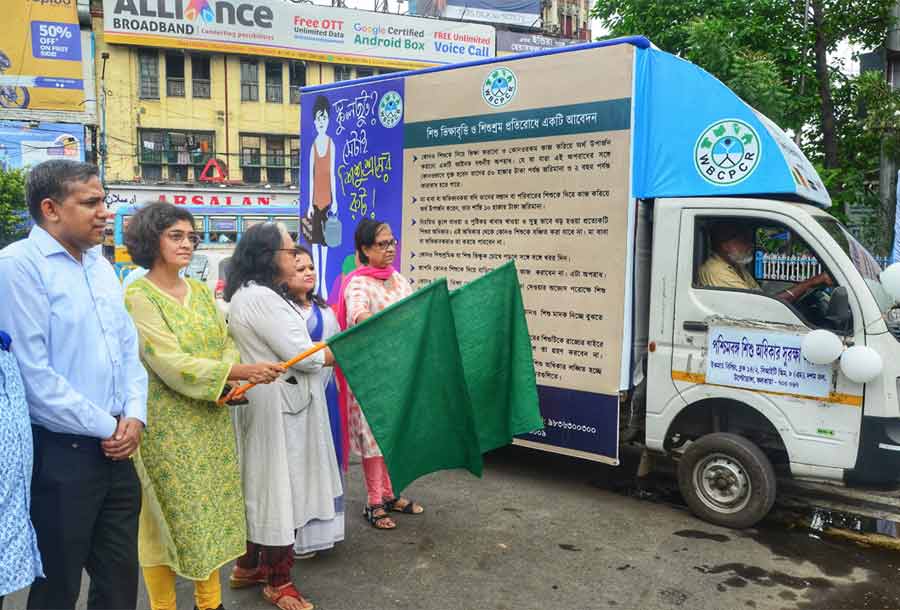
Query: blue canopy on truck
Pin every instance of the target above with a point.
(692, 135)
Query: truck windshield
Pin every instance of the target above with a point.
(864, 262)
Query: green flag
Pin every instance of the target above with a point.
(404, 367)
(496, 353)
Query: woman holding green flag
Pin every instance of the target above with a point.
(364, 292)
(289, 468)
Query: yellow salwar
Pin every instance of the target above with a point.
(192, 516)
(160, 581)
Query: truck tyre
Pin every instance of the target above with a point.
(727, 480)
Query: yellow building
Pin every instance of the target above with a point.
(169, 111)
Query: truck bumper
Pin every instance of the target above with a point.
(878, 461)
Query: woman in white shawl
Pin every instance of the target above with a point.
(288, 464)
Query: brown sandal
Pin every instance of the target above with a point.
(251, 578)
(274, 595)
(408, 509)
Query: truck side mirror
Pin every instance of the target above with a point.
(839, 313)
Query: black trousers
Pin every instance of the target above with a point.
(85, 509)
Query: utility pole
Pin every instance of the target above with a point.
(103, 150)
(803, 65)
(887, 177)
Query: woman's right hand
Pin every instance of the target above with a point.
(261, 372)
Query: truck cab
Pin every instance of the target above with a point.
(729, 389)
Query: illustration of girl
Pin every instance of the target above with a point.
(322, 194)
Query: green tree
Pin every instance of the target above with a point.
(13, 209)
(775, 55)
(748, 42)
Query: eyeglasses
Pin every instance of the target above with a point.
(178, 237)
(386, 243)
(295, 252)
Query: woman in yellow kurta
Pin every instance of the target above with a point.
(192, 519)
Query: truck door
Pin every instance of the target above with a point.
(764, 279)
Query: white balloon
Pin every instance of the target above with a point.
(861, 364)
(890, 279)
(821, 347)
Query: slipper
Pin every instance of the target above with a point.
(408, 509)
(256, 577)
(274, 595)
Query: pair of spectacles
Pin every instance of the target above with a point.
(295, 252)
(178, 237)
(384, 244)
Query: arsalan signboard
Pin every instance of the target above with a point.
(273, 28)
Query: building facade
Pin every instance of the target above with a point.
(167, 110)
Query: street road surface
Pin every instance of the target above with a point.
(543, 532)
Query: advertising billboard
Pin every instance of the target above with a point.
(40, 60)
(520, 13)
(297, 31)
(23, 144)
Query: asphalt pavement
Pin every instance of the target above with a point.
(542, 531)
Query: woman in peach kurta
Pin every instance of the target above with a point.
(364, 292)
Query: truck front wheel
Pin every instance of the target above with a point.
(727, 480)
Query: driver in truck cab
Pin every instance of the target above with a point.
(732, 250)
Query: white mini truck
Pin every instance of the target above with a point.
(618, 176)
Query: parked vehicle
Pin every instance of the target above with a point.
(611, 172)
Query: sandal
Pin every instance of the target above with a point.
(377, 521)
(250, 578)
(408, 509)
(275, 595)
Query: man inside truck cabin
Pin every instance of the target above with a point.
(732, 247)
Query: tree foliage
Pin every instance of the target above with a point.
(13, 209)
(768, 52)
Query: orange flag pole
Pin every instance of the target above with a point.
(238, 391)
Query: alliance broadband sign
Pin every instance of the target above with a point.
(274, 28)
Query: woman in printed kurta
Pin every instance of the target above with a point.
(364, 292)
(192, 517)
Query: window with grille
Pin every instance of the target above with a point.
(174, 75)
(295, 160)
(249, 80)
(297, 73)
(165, 154)
(273, 82)
(275, 160)
(343, 72)
(148, 74)
(200, 77)
(251, 158)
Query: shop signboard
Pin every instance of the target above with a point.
(296, 31)
(521, 13)
(517, 42)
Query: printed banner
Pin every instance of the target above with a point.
(351, 167)
(764, 360)
(521, 13)
(516, 42)
(26, 144)
(299, 31)
(41, 56)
